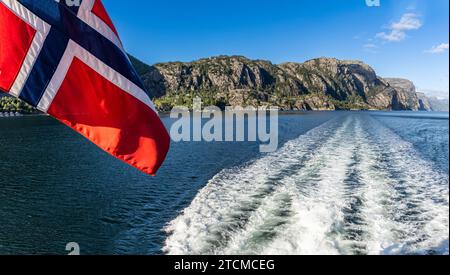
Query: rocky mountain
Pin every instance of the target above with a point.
(318, 84)
(406, 97)
(433, 103)
(424, 102)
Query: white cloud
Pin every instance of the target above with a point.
(393, 36)
(438, 49)
(409, 21)
(398, 30)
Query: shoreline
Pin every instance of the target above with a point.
(4, 115)
(18, 114)
(287, 112)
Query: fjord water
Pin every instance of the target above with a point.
(341, 183)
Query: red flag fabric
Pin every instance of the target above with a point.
(68, 61)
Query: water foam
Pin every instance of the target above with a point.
(349, 186)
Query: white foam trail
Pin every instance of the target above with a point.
(211, 218)
(350, 186)
(316, 216)
(418, 201)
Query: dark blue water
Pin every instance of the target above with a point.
(56, 187)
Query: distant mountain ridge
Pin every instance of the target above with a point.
(433, 103)
(318, 84)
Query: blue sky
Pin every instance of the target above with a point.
(401, 38)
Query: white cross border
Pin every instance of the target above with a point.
(42, 30)
(74, 50)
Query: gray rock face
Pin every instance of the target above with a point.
(406, 97)
(318, 84)
(424, 102)
(219, 73)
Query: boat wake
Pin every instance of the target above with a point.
(349, 186)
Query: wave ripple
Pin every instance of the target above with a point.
(349, 186)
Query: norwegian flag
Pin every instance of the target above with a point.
(68, 61)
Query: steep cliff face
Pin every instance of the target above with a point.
(352, 84)
(339, 79)
(319, 84)
(406, 97)
(424, 102)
